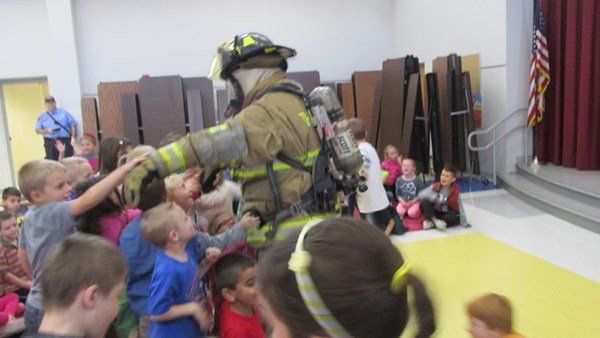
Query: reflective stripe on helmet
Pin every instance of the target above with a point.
(247, 41)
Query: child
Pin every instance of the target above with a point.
(108, 218)
(9, 308)
(408, 187)
(12, 276)
(178, 191)
(236, 281)
(221, 223)
(346, 268)
(141, 255)
(173, 312)
(440, 207)
(11, 201)
(111, 149)
(392, 163)
(87, 144)
(491, 316)
(86, 149)
(219, 200)
(373, 204)
(46, 185)
(82, 280)
(78, 170)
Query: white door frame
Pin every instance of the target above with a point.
(7, 173)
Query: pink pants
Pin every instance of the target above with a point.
(414, 211)
(9, 305)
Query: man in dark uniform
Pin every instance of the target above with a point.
(56, 124)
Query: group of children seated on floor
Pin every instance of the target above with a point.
(91, 267)
(394, 184)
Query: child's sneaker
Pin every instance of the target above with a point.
(428, 225)
(440, 225)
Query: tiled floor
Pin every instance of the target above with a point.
(548, 267)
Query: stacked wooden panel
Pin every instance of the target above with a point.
(162, 107)
(110, 114)
(391, 115)
(222, 104)
(89, 115)
(364, 84)
(398, 115)
(459, 105)
(425, 99)
(309, 80)
(346, 95)
(130, 106)
(444, 86)
(201, 108)
(435, 123)
(376, 117)
(456, 113)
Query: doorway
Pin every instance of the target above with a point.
(23, 102)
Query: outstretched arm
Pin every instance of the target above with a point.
(215, 147)
(99, 191)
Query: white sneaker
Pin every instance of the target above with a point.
(428, 225)
(440, 225)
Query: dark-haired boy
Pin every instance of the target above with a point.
(236, 282)
(12, 201)
(441, 209)
(81, 281)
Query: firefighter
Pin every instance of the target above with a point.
(268, 138)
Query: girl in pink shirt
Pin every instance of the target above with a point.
(392, 163)
(107, 219)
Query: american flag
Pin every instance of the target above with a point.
(540, 68)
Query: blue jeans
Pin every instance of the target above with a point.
(33, 319)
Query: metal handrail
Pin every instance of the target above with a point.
(495, 139)
(492, 127)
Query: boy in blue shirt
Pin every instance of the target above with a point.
(171, 306)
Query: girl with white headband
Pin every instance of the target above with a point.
(340, 278)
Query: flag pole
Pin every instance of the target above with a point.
(534, 130)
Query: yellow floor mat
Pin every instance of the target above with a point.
(548, 301)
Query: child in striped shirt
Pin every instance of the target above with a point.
(12, 276)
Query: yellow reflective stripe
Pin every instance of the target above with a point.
(303, 115)
(179, 153)
(257, 236)
(252, 172)
(243, 173)
(164, 153)
(217, 128)
(269, 50)
(301, 222)
(314, 153)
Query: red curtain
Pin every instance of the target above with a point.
(569, 134)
